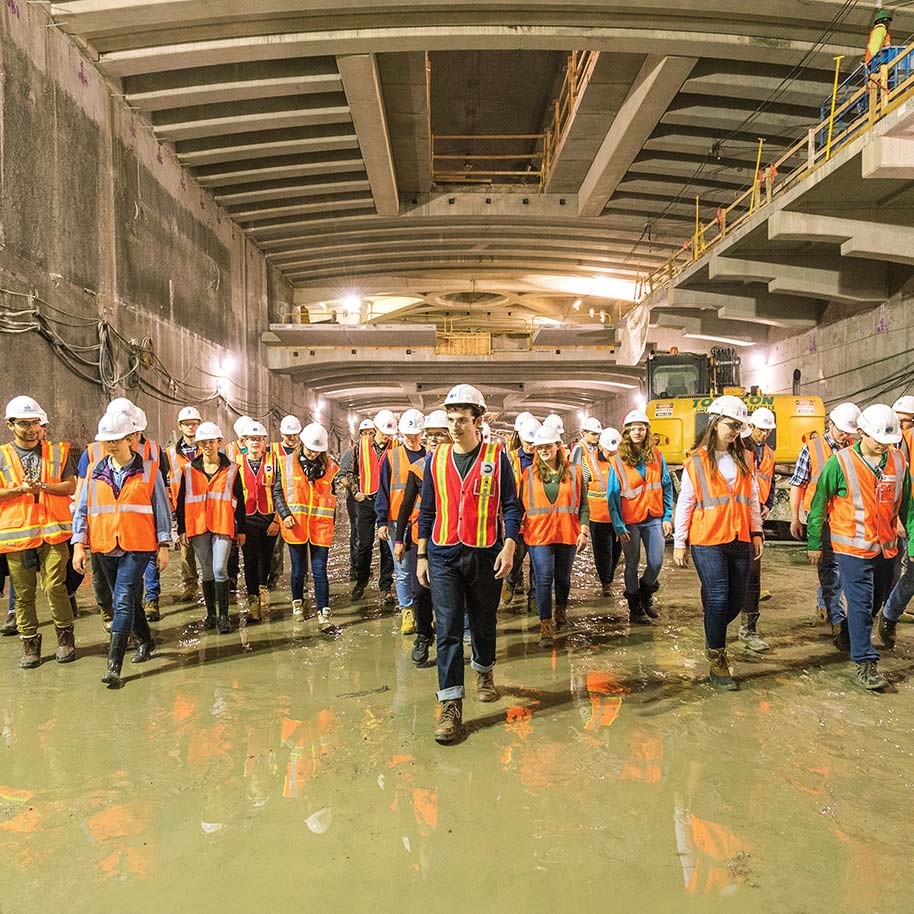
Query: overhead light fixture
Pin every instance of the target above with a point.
(718, 339)
(577, 304)
(592, 312)
(602, 317)
(352, 304)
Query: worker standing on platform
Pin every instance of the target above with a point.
(178, 455)
(761, 425)
(863, 492)
(879, 35)
(640, 496)
(211, 515)
(37, 479)
(840, 430)
(363, 485)
(123, 515)
(395, 469)
(520, 460)
(718, 515)
(467, 495)
(556, 526)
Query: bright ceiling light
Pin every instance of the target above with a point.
(718, 339)
(758, 360)
(577, 304)
(352, 304)
(612, 287)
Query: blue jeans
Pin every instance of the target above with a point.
(403, 576)
(124, 574)
(298, 553)
(866, 584)
(830, 579)
(902, 592)
(212, 551)
(650, 533)
(151, 581)
(723, 571)
(551, 565)
(463, 579)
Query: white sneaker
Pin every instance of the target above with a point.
(323, 619)
(298, 608)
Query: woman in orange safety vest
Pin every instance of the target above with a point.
(211, 516)
(556, 525)
(305, 499)
(717, 513)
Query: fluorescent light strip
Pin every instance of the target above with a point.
(718, 339)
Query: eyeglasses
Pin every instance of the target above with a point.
(732, 424)
(27, 423)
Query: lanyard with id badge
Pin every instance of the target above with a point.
(484, 486)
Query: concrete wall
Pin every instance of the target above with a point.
(101, 222)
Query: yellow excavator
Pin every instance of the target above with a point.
(681, 386)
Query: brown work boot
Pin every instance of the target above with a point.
(547, 633)
(450, 724)
(151, 608)
(265, 609)
(485, 686)
(253, 609)
(66, 645)
(561, 617)
(720, 669)
(507, 592)
(606, 590)
(31, 653)
(189, 590)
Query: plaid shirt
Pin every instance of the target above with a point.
(801, 473)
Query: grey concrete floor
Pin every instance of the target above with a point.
(279, 769)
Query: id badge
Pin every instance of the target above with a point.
(885, 490)
(485, 484)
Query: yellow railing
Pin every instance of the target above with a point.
(518, 166)
(578, 70)
(769, 182)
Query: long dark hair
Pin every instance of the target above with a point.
(632, 453)
(736, 449)
(541, 468)
(514, 442)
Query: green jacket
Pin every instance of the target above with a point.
(831, 483)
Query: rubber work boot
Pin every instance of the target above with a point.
(151, 608)
(223, 626)
(353, 575)
(407, 621)
(450, 724)
(507, 592)
(646, 592)
(359, 590)
(547, 632)
(561, 617)
(749, 635)
(606, 590)
(189, 591)
(265, 610)
(66, 645)
(323, 620)
(887, 632)
(31, 653)
(298, 609)
(869, 677)
(720, 669)
(841, 637)
(145, 644)
(420, 650)
(532, 607)
(485, 686)
(209, 600)
(636, 613)
(117, 647)
(253, 609)
(10, 627)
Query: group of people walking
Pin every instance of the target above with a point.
(455, 512)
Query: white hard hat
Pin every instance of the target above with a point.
(881, 423)
(486, 432)
(546, 434)
(411, 422)
(845, 416)
(314, 437)
(592, 425)
(436, 419)
(610, 438)
(464, 395)
(255, 430)
(762, 418)
(635, 415)
(114, 426)
(366, 425)
(730, 407)
(555, 422)
(529, 429)
(904, 405)
(23, 408)
(386, 422)
(120, 405)
(189, 413)
(140, 422)
(521, 419)
(241, 423)
(289, 426)
(207, 431)
(43, 418)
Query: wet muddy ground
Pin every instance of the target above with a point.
(278, 769)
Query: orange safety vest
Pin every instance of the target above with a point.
(720, 516)
(279, 451)
(313, 505)
(863, 521)
(642, 496)
(906, 445)
(548, 524)
(819, 452)
(209, 506)
(128, 521)
(258, 487)
(399, 473)
(879, 39)
(234, 450)
(370, 465)
(417, 468)
(24, 522)
(466, 510)
(764, 473)
(176, 464)
(596, 492)
(95, 451)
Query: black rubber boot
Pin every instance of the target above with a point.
(222, 602)
(144, 637)
(646, 593)
(117, 647)
(209, 601)
(636, 613)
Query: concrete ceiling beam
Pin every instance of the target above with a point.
(763, 308)
(723, 114)
(275, 169)
(656, 85)
(405, 84)
(331, 138)
(286, 191)
(362, 86)
(889, 157)
(254, 214)
(758, 82)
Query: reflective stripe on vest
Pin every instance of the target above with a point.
(466, 510)
(176, 464)
(313, 505)
(720, 515)
(764, 473)
(642, 496)
(817, 458)
(596, 494)
(209, 506)
(370, 465)
(863, 522)
(400, 465)
(417, 468)
(258, 488)
(547, 523)
(127, 521)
